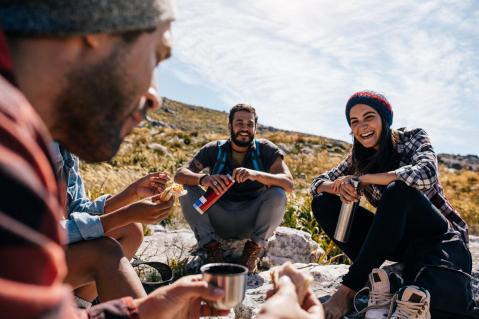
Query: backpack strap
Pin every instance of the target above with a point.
(221, 158)
(256, 157)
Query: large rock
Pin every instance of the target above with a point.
(176, 247)
(285, 245)
(468, 162)
(293, 245)
(326, 280)
(474, 247)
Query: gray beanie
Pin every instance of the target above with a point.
(76, 17)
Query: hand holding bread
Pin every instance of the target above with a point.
(290, 297)
(300, 280)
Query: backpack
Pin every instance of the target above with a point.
(448, 280)
(222, 158)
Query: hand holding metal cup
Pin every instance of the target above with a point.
(231, 278)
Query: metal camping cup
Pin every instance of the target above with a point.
(231, 278)
(346, 215)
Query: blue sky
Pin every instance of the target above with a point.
(298, 62)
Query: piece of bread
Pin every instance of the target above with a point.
(175, 190)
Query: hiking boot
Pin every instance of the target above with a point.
(412, 302)
(214, 252)
(250, 255)
(381, 288)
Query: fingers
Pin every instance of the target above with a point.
(157, 210)
(311, 301)
(348, 193)
(192, 288)
(163, 200)
(286, 287)
(270, 293)
(207, 311)
(241, 175)
(335, 186)
(151, 184)
(218, 183)
(159, 180)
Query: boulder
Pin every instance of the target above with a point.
(293, 245)
(326, 280)
(178, 247)
(286, 244)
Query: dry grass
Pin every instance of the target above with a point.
(307, 157)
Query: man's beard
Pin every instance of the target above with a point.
(234, 138)
(92, 108)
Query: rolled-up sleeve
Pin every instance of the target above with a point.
(341, 169)
(78, 200)
(82, 226)
(84, 204)
(421, 173)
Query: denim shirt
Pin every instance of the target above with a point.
(83, 221)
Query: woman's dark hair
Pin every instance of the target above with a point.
(370, 161)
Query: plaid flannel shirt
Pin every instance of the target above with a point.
(418, 168)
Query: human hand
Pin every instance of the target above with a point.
(339, 304)
(149, 210)
(150, 185)
(283, 303)
(347, 192)
(241, 174)
(216, 182)
(336, 184)
(181, 300)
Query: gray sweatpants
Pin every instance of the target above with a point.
(254, 219)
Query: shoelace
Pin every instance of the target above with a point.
(378, 299)
(405, 309)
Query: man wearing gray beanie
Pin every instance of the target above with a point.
(78, 72)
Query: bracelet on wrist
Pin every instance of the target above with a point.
(201, 179)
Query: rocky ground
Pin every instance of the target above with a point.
(178, 248)
(467, 162)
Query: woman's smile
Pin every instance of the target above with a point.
(366, 125)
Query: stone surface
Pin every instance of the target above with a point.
(474, 247)
(287, 244)
(468, 162)
(326, 280)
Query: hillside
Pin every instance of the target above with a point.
(172, 135)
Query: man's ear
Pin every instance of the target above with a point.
(229, 125)
(95, 40)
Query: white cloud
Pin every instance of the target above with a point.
(298, 61)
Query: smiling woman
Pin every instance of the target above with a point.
(397, 171)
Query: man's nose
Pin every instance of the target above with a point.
(153, 99)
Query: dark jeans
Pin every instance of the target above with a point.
(405, 219)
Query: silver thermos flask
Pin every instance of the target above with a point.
(345, 220)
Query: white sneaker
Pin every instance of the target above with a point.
(412, 302)
(380, 295)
